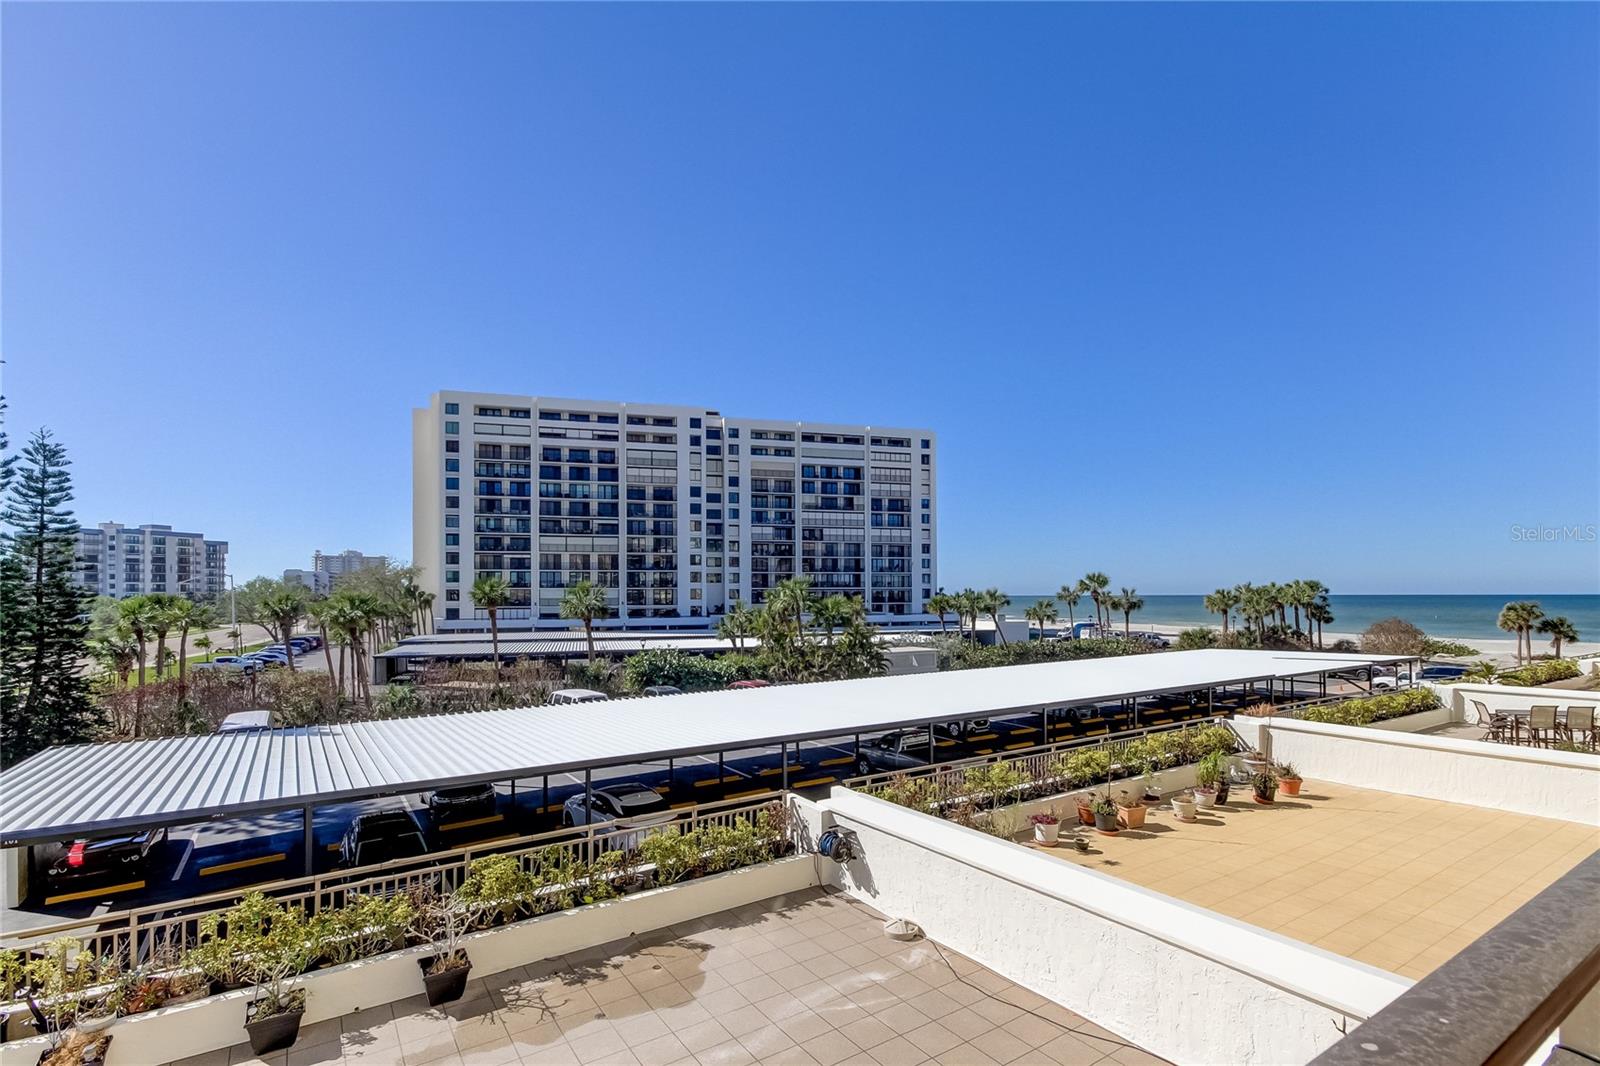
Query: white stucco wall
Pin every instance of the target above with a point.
(1510, 698)
(1537, 781)
(1185, 983)
(218, 1021)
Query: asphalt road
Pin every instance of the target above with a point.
(222, 855)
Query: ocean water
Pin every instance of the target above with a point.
(1464, 617)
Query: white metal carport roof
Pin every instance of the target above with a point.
(98, 788)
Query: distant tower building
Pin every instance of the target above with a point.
(328, 567)
(120, 561)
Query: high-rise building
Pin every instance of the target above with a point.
(328, 567)
(675, 511)
(120, 561)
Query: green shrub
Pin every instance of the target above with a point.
(1194, 639)
(1369, 709)
(960, 654)
(675, 854)
(1540, 673)
(668, 666)
(1430, 646)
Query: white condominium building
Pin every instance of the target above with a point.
(328, 567)
(120, 561)
(675, 511)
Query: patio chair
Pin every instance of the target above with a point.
(1579, 727)
(1542, 725)
(1496, 727)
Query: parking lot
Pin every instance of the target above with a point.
(222, 855)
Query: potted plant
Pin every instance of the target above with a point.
(1105, 816)
(1130, 810)
(1254, 762)
(1288, 778)
(1265, 786)
(276, 943)
(1046, 828)
(13, 981)
(62, 974)
(1183, 806)
(1085, 802)
(440, 922)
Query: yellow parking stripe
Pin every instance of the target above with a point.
(489, 840)
(1021, 744)
(131, 886)
(830, 779)
(470, 822)
(983, 736)
(333, 847)
(1024, 729)
(717, 781)
(984, 751)
(752, 792)
(769, 771)
(840, 761)
(944, 743)
(259, 860)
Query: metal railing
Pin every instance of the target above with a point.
(165, 929)
(1497, 1002)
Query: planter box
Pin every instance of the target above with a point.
(216, 1022)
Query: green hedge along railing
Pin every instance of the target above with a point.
(1539, 673)
(957, 792)
(262, 941)
(1369, 709)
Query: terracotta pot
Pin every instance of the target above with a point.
(1290, 785)
(1131, 817)
(1085, 814)
(1264, 797)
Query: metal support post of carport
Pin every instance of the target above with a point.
(308, 825)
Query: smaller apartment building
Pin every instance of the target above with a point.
(121, 561)
(675, 511)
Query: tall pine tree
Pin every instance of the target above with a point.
(44, 628)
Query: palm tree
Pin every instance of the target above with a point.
(792, 599)
(1320, 612)
(833, 611)
(490, 593)
(1042, 612)
(160, 623)
(736, 624)
(425, 608)
(321, 612)
(1520, 617)
(1070, 595)
(186, 614)
(1222, 602)
(941, 604)
(991, 602)
(284, 609)
(583, 600)
(1560, 631)
(1094, 585)
(137, 613)
(116, 653)
(1127, 603)
(204, 644)
(1483, 671)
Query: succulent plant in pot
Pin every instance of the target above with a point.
(1265, 786)
(1046, 828)
(1288, 778)
(1105, 815)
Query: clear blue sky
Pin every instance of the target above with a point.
(1192, 294)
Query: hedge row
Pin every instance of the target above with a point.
(1371, 709)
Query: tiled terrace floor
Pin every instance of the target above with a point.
(1394, 881)
(808, 978)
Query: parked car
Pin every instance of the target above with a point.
(663, 690)
(577, 695)
(628, 803)
(957, 730)
(128, 854)
(239, 721)
(381, 836)
(462, 800)
(268, 655)
(900, 750)
(227, 662)
(754, 682)
(1152, 640)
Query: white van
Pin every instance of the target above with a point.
(577, 695)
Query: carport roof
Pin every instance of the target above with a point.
(98, 788)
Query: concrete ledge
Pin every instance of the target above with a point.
(218, 1021)
(1181, 981)
(1537, 781)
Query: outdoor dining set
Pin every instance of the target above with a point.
(1539, 726)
